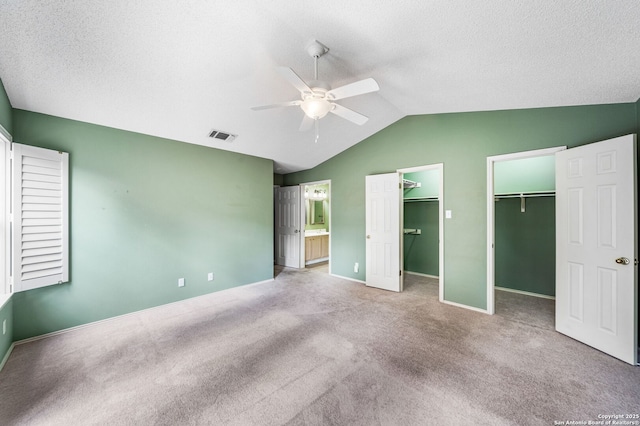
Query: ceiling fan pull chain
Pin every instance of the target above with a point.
(317, 130)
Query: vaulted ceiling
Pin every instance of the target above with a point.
(178, 69)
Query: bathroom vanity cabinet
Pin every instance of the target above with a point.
(316, 247)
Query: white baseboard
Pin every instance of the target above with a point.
(421, 274)
(93, 323)
(348, 279)
(243, 285)
(322, 259)
(6, 356)
(526, 293)
(460, 305)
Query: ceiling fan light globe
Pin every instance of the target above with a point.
(316, 108)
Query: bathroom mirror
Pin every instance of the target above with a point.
(316, 211)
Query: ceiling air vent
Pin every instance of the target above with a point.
(223, 136)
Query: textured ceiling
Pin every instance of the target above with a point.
(178, 69)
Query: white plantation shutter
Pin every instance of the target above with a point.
(40, 229)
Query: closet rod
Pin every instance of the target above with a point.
(526, 195)
(416, 200)
(523, 196)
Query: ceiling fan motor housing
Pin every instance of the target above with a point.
(317, 85)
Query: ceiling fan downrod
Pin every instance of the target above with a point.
(315, 49)
(315, 63)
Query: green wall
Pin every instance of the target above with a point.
(420, 252)
(525, 245)
(6, 313)
(537, 174)
(462, 142)
(6, 112)
(144, 212)
(429, 184)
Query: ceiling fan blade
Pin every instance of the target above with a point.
(349, 114)
(294, 79)
(361, 87)
(306, 124)
(279, 105)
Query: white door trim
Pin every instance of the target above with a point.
(440, 168)
(5, 203)
(491, 213)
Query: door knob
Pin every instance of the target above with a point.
(622, 261)
(368, 237)
(296, 231)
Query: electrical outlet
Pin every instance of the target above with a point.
(356, 267)
(210, 276)
(180, 282)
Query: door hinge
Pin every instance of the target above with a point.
(400, 272)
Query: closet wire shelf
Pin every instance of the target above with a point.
(523, 196)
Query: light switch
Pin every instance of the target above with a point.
(447, 214)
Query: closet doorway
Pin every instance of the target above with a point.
(596, 243)
(316, 244)
(422, 217)
(521, 224)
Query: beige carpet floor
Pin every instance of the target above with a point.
(312, 349)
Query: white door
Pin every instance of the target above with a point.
(288, 218)
(596, 278)
(383, 231)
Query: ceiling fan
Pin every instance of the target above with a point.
(317, 97)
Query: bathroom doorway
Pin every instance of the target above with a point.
(316, 211)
